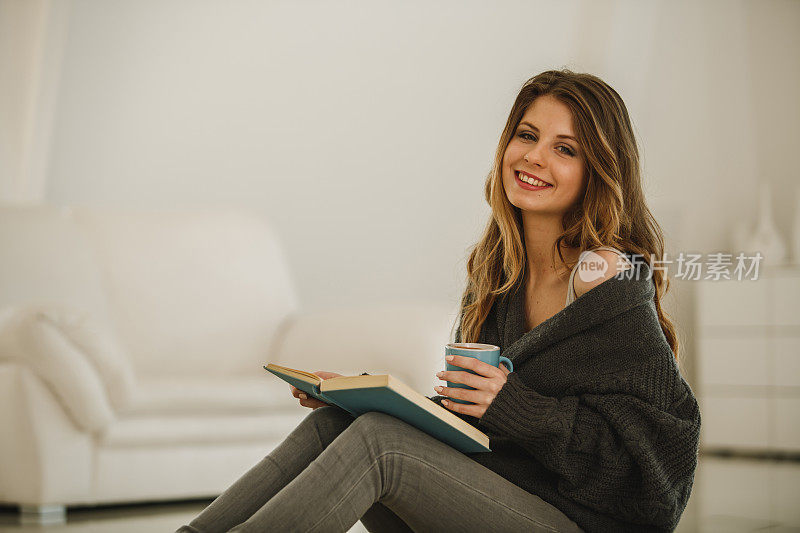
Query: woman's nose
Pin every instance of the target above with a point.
(535, 156)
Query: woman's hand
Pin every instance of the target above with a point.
(486, 385)
(307, 401)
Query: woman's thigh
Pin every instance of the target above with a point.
(329, 422)
(432, 486)
(270, 475)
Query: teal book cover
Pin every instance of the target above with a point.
(387, 394)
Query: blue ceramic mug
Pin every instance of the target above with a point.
(488, 353)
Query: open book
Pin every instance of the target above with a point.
(387, 394)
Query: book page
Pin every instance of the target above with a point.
(299, 374)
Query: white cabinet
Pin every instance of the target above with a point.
(748, 355)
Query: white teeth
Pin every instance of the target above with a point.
(526, 179)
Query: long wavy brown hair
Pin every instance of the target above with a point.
(613, 211)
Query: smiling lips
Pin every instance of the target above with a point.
(531, 179)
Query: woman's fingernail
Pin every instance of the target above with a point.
(303, 396)
(438, 389)
(449, 357)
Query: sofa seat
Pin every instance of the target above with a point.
(209, 395)
(201, 429)
(189, 410)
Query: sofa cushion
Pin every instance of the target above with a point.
(211, 395)
(96, 341)
(193, 292)
(158, 431)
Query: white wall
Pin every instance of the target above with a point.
(365, 129)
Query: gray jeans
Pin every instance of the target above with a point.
(333, 470)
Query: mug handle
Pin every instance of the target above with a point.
(508, 363)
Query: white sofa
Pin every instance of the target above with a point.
(132, 345)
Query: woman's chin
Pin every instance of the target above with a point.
(540, 209)
(532, 204)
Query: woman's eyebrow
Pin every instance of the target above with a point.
(531, 126)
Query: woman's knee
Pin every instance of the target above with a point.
(385, 433)
(328, 422)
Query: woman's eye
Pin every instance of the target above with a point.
(529, 137)
(568, 150)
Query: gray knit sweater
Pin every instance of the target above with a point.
(596, 418)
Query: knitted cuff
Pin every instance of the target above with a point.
(519, 412)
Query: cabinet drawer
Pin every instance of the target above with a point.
(732, 302)
(732, 422)
(786, 365)
(732, 361)
(786, 429)
(785, 298)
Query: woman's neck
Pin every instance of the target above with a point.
(540, 235)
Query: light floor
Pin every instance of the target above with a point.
(729, 496)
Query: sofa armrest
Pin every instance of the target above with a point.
(29, 339)
(44, 458)
(406, 340)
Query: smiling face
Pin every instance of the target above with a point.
(556, 160)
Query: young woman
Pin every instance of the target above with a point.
(595, 430)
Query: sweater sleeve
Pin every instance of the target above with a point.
(605, 448)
